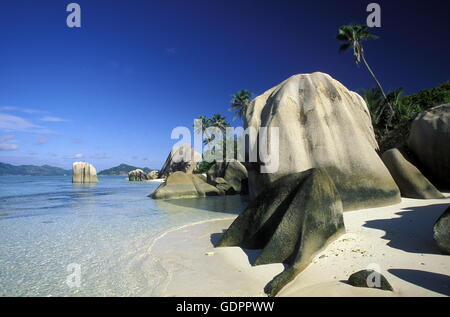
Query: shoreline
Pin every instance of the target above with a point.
(395, 239)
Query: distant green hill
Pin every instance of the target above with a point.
(121, 170)
(8, 169)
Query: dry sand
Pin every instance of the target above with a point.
(395, 239)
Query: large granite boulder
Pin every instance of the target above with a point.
(230, 175)
(321, 124)
(181, 159)
(429, 140)
(216, 170)
(183, 185)
(223, 186)
(409, 179)
(137, 175)
(441, 232)
(83, 172)
(291, 220)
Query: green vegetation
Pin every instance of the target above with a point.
(46, 170)
(201, 126)
(121, 170)
(392, 126)
(203, 167)
(239, 103)
(391, 113)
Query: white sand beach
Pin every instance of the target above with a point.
(395, 239)
(157, 180)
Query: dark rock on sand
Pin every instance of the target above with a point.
(441, 232)
(409, 179)
(370, 279)
(290, 221)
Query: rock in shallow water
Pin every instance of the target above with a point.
(137, 175)
(153, 174)
(83, 173)
(182, 185)
(369, 279)
(290, 221)
(441, 232)
(409, 179)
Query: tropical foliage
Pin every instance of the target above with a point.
(202, 124)
(392, 126)
(239, 103)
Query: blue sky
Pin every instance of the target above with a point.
(111, 91)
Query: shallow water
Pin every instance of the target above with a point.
(47, 224)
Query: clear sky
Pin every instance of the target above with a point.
(111, 91)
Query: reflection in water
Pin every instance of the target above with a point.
(224, 204)
(83, 185)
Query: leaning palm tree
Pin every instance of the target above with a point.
(239, 103)
(353, 36)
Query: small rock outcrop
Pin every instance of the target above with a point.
(321, 124)
(429, 140)
(153, 175)
(83, 173)
(183, 185)
(137, 175)
(370, 279)
(290, 221)
(409, 179)
(229, 177)
(441, 232)
(181, 159)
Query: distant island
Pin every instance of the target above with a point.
(47, 170)
(8, 169)
(122, 170)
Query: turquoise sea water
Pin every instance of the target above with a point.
(47, 224)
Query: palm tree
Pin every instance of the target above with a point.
(240, 102)
(353, 36)
(200, 125)
(218, 121)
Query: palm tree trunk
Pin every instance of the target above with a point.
(376, 80)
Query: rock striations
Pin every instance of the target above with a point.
(83, 173)
(322, 124)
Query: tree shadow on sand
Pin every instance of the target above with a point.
(435, 282)
(413, 230)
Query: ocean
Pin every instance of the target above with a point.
(51, 229)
